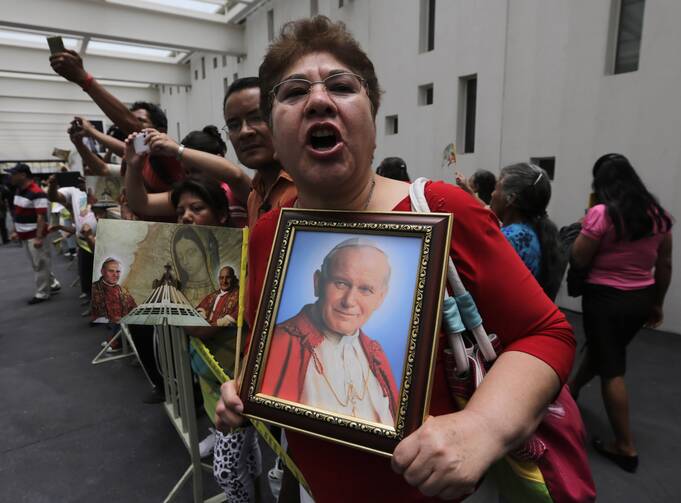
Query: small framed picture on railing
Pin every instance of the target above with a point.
(346, 332)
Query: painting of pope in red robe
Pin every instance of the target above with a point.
(321, 357)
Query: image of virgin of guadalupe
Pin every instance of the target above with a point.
(195, 255)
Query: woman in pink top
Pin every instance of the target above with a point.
(626, 242)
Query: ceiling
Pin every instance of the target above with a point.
(131, 46)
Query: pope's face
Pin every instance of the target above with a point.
(189, 256)
(226, 278)
(354, 288)
(111, 273)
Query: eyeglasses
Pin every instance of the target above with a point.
(234, 125)
(338, 85)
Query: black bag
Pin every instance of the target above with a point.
(576, 278)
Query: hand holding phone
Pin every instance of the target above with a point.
(139, 143)
(56, 44)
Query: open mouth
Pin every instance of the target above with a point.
(323, 138)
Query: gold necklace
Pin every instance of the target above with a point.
(350, 395)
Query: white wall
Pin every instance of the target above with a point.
(542, 91)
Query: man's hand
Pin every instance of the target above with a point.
(462, 182)
(37, 242)
(86, 230)
(14, 236)
(133, 159)
(86, 125)
(447, 455)
(161, 144)
(69, 65)
(229, 408)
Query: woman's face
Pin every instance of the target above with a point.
(189, 256)
(342, 126)
(193, 210)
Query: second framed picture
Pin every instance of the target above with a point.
(344, 342)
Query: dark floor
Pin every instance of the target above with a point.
(74, 432)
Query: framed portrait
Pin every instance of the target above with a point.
(345, 337)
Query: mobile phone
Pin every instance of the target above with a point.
(56, 45)
(138, 143)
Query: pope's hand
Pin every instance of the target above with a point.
(447, 455)
(226, 321)
(229, 408)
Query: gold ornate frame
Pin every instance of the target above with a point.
(435, 232)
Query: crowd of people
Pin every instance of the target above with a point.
(305, 128)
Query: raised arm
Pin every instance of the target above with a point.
(96, 165)
(69, 65)
(53, 193)
(114, 145)
(139, 200)
(209, 164)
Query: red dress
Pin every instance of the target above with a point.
(510, 301)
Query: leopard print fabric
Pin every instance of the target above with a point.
(237, 462)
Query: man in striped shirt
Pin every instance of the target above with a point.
(30, 226)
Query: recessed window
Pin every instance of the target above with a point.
(235, 77)
(425, 95)
(215, 62)
(163, 89)
(340, 4)
(224, 60)
(177, 124)
(178, 89)
(548, 164)
(468, 97)
(629, 19)
(391, 124)
(270, 25)
(203, 67)
(196, 75)
(314, 7)
(170, 90)
(426, 25)
(225, 84)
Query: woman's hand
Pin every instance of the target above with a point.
(229, 408)
(447, 455)
(134, 160)
(161, 144)
(462, 182)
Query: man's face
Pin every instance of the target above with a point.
(111, 273)
(226, 278)
(143, 118)
(354, 288)
(248, 132)
(17, 179)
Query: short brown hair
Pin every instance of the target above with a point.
(317, 34)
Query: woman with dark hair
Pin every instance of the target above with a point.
(393, 167)
(201, 152)
(519, 200)
(626, 242)
(320, 94)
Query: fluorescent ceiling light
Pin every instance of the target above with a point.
(191, 5)
(32, 39)
(57, 78)
(134, 51)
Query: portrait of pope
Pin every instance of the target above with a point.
(321, 357)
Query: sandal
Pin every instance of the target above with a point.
(626, 463)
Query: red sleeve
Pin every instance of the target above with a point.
(259, 247)
(510, 301)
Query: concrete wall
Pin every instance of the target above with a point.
(543, 90)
